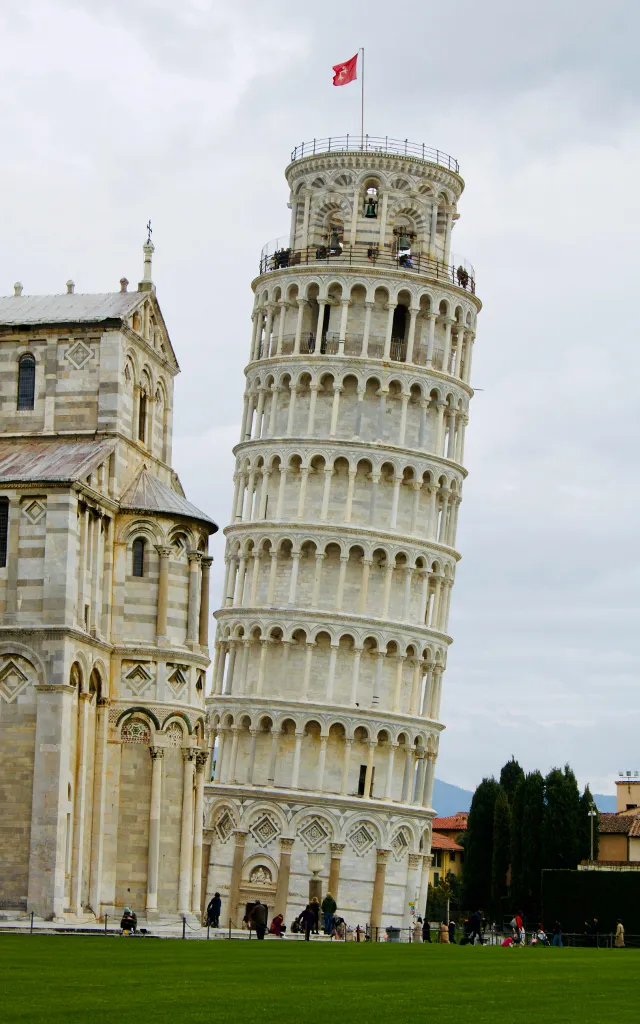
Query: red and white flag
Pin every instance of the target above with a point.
(345, 72)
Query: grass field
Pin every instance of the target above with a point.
(56, 979)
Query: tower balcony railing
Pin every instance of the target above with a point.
(375, 144)
(458, 272)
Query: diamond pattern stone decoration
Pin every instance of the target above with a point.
(400, 844)
(78, 354)
(138, 679)
(177, 679)
(264, 831)
(34, 511)
(313, 834)
(224, 826)
(12, 681)
(361, 839)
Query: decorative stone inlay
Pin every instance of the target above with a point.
(177, 678)
(224, 826)
(173, 733)
(264, 830)
(361, 839)
(12, 680)
(400, 844)
(78, 354)
(34, 511)
(138, 679)
(313, 834)
(136, 731)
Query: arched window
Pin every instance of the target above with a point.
(26, 382)
(138, 556)
(142, 417)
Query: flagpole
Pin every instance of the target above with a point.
(362, 100)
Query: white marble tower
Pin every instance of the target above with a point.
(341, 552)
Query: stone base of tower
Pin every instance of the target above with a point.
(281, 848)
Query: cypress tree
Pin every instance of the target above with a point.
(533, 810)
(584, 842)
(501, 854)
(478, 858)
(516, 885)
(510, 776)
(561, 825)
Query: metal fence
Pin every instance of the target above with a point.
(375, 144)
(461, 274)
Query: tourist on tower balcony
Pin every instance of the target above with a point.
(329, 907)
(259, 919)
(213, 911)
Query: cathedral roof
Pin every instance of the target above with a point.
(148, 494)
(55, 461)
(69, 308)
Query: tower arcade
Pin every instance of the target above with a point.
(341, 551)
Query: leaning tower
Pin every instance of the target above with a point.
(341, 552)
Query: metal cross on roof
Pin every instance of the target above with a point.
(149, 231)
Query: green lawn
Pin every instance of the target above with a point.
(69, 978)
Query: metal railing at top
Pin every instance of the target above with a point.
(459, 273)
(375, 144)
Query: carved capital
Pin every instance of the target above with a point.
(157, 753)
(286, 845)
(337, 849)
(414, 861)
(188, 754)
(382, 856)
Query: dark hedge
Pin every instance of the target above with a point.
(573, 897)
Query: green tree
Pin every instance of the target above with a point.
(531, 859)
(561, 824)
(510, 776)
(516, 885)
(587, 803)
(501, 853)
(478, 857)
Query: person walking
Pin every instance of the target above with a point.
(258, 919)
(417, 931)
(315, 903)
(426, 931)
(213, 911)
(557, 934)
(329, 907)
(475, 922)
(444, 933)
(519, 928)
(307, 920)
(619, 940)
(452, 931)
(596, 932)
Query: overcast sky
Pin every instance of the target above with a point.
(114, 112)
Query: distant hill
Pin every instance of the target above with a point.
(448, 799)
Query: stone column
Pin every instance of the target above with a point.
(424, 885)
(186, 832)
(337, 850)
(153, 862)
(417, 487)
(375, 480)
(192, 612)
(426, 700)
(367, 329)
(386, 593)
(315, 597)
(273, 569)
(397, 694)
(413, 866)
(275, 739)
(406, 601)
(419, 779)
(345, 303)
(260, 407)
(311, 418)
(273, 412)
(369, 772)
(332, 672)
(203, 626)
(304, 476)
(415, 687)
(335, 408)
(302, 303)
(295, 774)
(196, 871)
(293, 576)
(377, 679)
(307, 669)
(391, 306)
(217, 774)
(328, 473)
(433, 233)
(284, 870)
(236, 875)
(321, 763)
(80, 805)
(99, 803)
(397, 482)
(364, 588)
(383, 220)
(427, 794)
(235, 729)
(388, 788)
(407, 779)
(446, 355)
(382, 856)
(355, 676)
(404, 400)
(344, 561)
(264, 645)
(459, 350)
(346, 764)
(281, 490)
(431, 338)
(348, 508)
(413, 313)
(253, 733)
(163, 595)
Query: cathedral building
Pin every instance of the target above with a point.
(332, 635)
(104, 576)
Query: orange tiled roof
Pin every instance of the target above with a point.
(454, 821)
(609, 823)
(440, 842)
